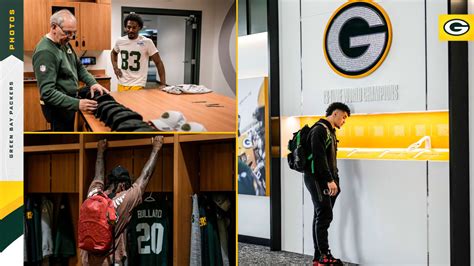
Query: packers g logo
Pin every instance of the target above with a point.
(357, 38)
(456, 27)
(247, 143)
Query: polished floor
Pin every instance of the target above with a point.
(260, 255)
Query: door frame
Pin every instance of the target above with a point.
(172, 12)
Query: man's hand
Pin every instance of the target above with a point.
(118, 72)
(332, 188)
(157, 142)
(98, 88)
(86, 105)
(102, 145)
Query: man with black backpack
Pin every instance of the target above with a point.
(107, 210)
(321, 177)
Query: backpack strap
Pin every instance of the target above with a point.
(114, 244)
(326, 143)
(328, 134)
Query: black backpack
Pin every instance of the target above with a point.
(301, 156)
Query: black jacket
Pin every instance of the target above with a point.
(324, 151)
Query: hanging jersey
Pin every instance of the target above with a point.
(223, 204)
(33, 230)
(210, 245)
(65, 244)
(195, 252)
(148, 234)
(222, 224)
(133, 59)
(46, 222)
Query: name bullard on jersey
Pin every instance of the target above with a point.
(149, 213)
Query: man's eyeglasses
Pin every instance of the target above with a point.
(70, 34)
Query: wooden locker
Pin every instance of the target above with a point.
(64, 172)
(217, 166)
(38, 172)
(141, 156)
(118, 156)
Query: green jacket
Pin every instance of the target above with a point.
(58, 71)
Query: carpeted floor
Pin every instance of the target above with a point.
(260, 255)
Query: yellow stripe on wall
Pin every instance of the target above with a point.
(391, 130)
(12, 197)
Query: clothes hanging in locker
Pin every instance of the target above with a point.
(195, 252)
(223, 204)
(210, 244)
(65, 243)
(148, 234)
(33, 239)
(46, 227)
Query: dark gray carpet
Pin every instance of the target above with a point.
(260, 255)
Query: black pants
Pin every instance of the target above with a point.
(61, 120)
(322, 218)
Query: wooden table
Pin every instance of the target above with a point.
(151, 103)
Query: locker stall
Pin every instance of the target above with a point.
(57, 165)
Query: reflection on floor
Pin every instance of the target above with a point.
(260, 255)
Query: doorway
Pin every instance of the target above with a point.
(177, 35)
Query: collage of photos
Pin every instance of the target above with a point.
(130, 120)
(236, 132)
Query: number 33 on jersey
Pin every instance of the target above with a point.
(134, 56)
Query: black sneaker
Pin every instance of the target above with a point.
(329, 260)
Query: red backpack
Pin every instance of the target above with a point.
(97, 218)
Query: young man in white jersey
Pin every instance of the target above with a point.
(134, 51)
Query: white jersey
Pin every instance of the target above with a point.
(133, 59)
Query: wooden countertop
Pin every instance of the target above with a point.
(151, 103)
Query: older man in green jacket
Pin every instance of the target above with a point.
(58, 72)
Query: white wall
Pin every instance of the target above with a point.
(380, 215)
(302, 80)
(368, 228)
(404, 65)
(438, 211)
(254, 216)
(290, 58)
(253, 56)
(437, 60)
(254, 211)
(171, 33)
(218, 79)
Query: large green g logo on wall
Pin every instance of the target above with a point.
(357, 38)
